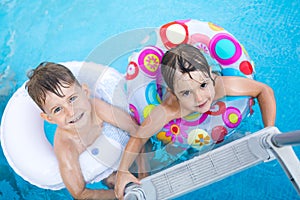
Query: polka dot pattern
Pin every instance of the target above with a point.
(222, 49)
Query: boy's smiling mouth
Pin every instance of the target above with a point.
(76, 119)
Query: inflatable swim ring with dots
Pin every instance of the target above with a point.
(146, 89)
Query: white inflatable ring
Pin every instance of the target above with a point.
(144, 84)
(30, 154)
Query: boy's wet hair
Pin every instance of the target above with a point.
(48, 77)
(185, 58)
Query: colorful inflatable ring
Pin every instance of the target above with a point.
(145, 86)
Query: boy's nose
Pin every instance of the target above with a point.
(69, 110)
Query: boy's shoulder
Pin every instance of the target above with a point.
(66, 142)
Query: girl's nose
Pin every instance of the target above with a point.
(198, 96)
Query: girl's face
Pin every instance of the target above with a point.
(71, 111)
(194, 95)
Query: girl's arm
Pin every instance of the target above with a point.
(237, 86)
(143, 163)
(152, 124)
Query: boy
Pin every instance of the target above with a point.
(80, 121)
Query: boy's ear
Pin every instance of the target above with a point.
(86, 89)
(46, 117)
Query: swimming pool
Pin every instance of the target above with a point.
(32, 32)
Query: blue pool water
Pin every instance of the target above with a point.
(32, 32)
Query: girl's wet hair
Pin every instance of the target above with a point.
(48, 77)
(185, 58)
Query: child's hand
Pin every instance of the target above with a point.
(123, 178)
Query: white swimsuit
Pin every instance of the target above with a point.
(107, 149)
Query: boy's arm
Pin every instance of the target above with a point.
(237, 86)
(115, 116)
(69, 166)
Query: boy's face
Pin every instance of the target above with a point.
(194, 95)
(71, 111)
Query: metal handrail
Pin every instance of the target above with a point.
(288, 138)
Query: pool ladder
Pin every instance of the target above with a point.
(262, 146)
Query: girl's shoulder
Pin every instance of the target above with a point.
(220, 87)
(170, 106)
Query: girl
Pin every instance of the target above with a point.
(192, 87)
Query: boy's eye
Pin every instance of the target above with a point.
(186, 93)
(72, 99)
(56, 110)
(203, 85)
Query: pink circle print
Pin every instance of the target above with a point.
(149, 61)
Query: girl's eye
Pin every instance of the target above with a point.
(203, 85)
(56, 110)
(186, 93)
(72, 99)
